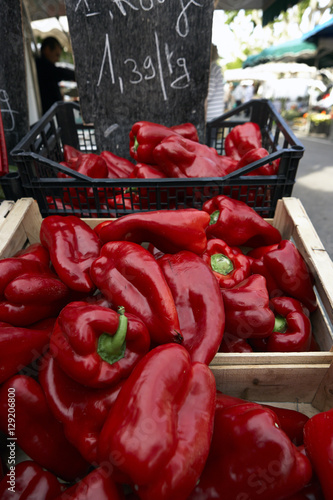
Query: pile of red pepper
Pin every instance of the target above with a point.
(107, 335)
(163, 152)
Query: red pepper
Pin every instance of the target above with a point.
(242, 139)
(38, 432)
(145, 136)
(292, 331)
(129, 276)
(247, 310)
(129, 200)
(318, 441)
(21, 346)
(27, 481)
(37, 253)
(198, 301)
(97, 346)
(4, 169)
(71, 155)
(29, 291)
(229, 265)
(143, 171)
(91, 165)
(292, 422)
(251, 458)
(176, 156)
(231, 343)
(73, 246)
(238, 224)
(168, 230)
(98, 485)
(82, 410)
(254, 155)
(162, 434)
(286, 272)
(118, 167)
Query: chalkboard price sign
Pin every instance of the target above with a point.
(140, 60)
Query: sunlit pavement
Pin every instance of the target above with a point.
(314, 185)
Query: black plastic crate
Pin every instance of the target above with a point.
(39, 154)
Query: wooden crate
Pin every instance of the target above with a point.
(286, 378)
(299, 381)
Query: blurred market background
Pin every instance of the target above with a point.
(279, 50)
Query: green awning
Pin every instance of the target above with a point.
(291, 51)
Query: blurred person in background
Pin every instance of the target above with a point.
(215, 96)
(49, 75)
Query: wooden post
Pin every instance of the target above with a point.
(13, 92)
(140, 60)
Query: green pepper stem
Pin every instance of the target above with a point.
(136, 144)
(221, 264)
(214, 217)
(281, 324)
(111, 348)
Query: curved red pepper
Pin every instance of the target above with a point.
(30, 481)
(229, 265)
(318, 439)
(231, 343)
(118, 167)
(35, 252)
(97, 346)
(168, 230)
(82, 410)
(255, 155)
(178, 157)
(238, 224)
(198, 301)
(242, 139)
(29, 291)
(247, 311)
(286, 272)
(71, 155)
(145, 136)
(21, 346)
(129, 276)
(162, 434)
(73, 246)
(251, 457)
(98, 485)
(292, 331)
(38, 432)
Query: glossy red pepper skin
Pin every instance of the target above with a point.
(71, 155)
(242, 139)
(118, 167)
(168, 230)
(37, 253)
(247, 310)
(231, 343)
(91, 165)
(72, 403)
(292, 331)
(178, 157)
(129, 276)
(286, 273)
(238, 224)
(318, 441)
(38, 432)
(229, 265)
(256, 155)
(31, 482)
(72, 246)
(145, 136)
(97, 485)
(97, 346)
(164, 440)
(21, 346)
(292, 422)
(29, 291)
(198, 301)
(251, 457)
